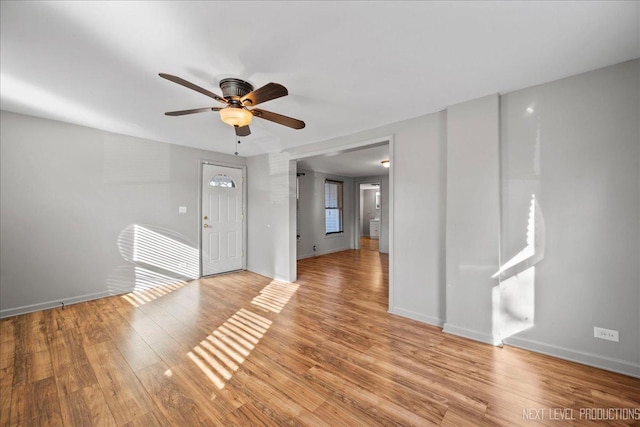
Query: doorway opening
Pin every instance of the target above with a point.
(354, 163)
(368, 229)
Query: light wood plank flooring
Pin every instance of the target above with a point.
(368, 244)
(241, 349)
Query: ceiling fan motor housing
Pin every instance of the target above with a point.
(235, 88)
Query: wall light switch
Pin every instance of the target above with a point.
(182, 209)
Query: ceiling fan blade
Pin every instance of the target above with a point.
(242, 130)
(278, 118)
(192, 86)
(183, 112)
(265, 93)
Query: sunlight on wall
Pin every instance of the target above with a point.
(225, 349)
(160, 264)
(514, 297)
(142, 245)
(517, 303)
(534, 251)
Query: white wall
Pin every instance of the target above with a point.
(271, 218)
(577, 149)
(418, 223)
(69, 197)
(473, 216)
(312, 230)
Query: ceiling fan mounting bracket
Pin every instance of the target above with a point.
(235, 88)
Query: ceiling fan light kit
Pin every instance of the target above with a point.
(238, 95)
(236, 116)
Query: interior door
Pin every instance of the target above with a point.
(221, 219)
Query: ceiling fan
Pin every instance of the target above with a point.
(238, 95)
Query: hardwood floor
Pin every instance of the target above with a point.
(241, 349)
(368, 244)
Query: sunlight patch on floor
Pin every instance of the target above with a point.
(223, 351)
(150, 285)
(275, 296)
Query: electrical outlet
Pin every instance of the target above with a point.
(606, 334)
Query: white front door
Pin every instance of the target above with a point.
(221, 219)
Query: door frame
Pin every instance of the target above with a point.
(293, 159)
(201, 164)
(358, 226)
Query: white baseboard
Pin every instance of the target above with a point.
(281, 279)
(590, 359)
(416, 316)
(9, 312)
(468, 333)
(303, 256)
(268, 274)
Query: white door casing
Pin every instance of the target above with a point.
(222, 216)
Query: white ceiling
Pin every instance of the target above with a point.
(352, 163)
(349, 66)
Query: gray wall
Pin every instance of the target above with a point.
(473, 217)
(575, 144)
(312, 230)
(588, 184)
(69, 198)
(369, 210)
(271, 217)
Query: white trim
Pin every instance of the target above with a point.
(9, 312)
(340, 148)
(391, 237)
(416, 316)
(270, 275)
(293, 218)
(331, 251)
(589, 359)
(468, 333)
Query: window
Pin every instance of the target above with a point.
(221, 180)
(333, 207)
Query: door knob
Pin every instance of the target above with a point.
(206, 226)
